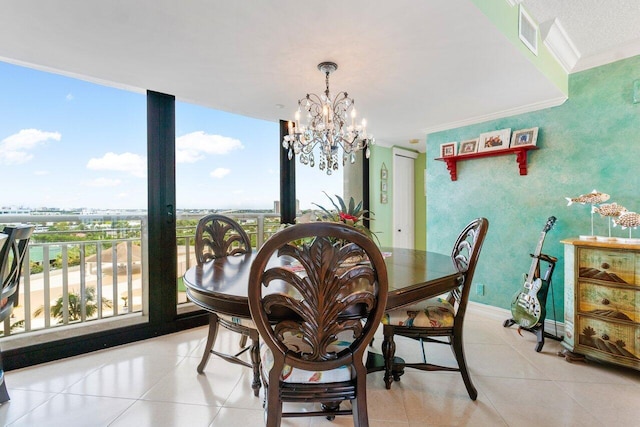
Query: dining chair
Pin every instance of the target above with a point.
(12, 256)
(317, 293)
(220, 236)
(439, 319)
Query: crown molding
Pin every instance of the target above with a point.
(624, 51)
(553, 102)
(556, 39)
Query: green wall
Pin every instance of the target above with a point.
(505, 17)
(589, 142)
(420, 199)
(383, 213)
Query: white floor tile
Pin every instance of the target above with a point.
(155, 383)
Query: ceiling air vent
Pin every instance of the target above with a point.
(528, 31)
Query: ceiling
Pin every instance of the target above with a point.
(413, 67)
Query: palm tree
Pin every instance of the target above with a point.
(75, 306)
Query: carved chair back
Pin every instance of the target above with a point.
(465, 254)
(219, 236)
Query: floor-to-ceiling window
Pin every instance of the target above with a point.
(73, 163)
(72, 149)
(227, 164)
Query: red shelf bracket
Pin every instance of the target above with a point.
(520, 152)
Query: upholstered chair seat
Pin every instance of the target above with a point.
(432, 313)
(297, 375)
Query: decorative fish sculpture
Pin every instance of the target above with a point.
(591, 198)
(610, 209)
(627, 220)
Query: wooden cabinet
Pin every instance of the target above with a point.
(602, 301)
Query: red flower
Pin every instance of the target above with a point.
(344, 217)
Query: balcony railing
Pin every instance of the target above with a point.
(81, 268)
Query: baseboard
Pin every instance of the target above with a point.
(501, 314)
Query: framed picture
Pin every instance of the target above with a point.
(448, 149)
(468, 147)
(496, 140)
(383, 186)
(383, 172)
(383, 198)
(524, 137)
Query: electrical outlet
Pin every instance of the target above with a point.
(479, 289)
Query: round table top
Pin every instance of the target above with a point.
(220, 285)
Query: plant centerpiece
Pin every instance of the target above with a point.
(351, 214)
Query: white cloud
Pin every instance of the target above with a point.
(126, 162)
(15, 149)
(195, 145)
(69, 97)
(220, 173)
(41, 173)
(104, 182)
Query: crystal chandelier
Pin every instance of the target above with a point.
(327, 127)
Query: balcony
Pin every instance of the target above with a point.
(90, 271)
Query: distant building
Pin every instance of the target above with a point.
(14, 211)
(276, 207)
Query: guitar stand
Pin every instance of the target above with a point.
(538, 329)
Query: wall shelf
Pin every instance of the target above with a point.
(520, 152)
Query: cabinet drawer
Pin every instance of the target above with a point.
(615, 303)
(612, 339)
(606, 264)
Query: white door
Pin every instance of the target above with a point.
(403, 198)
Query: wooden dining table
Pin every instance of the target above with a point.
(220, 285)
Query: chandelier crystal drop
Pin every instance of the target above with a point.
(329, 124)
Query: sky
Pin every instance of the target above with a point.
(68, 143)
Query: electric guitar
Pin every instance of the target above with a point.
(525, 307)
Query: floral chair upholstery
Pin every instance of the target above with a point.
(438, 319)
(220, 236)
(316, 310)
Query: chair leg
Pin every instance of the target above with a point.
(462, 364)
(273, 406)
(211, 340)
(255, 365)
(388, 352)
(4, 394)
(359, 404)
(330, 408)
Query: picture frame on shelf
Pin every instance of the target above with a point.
(383, 198)
(469, 146)
(494, 141)
(524, 137)
(383, 186)
(448, 149)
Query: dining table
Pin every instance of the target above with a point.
(220, 285)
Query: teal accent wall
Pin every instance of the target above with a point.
(590, 142)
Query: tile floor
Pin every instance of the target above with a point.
(154, 383)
